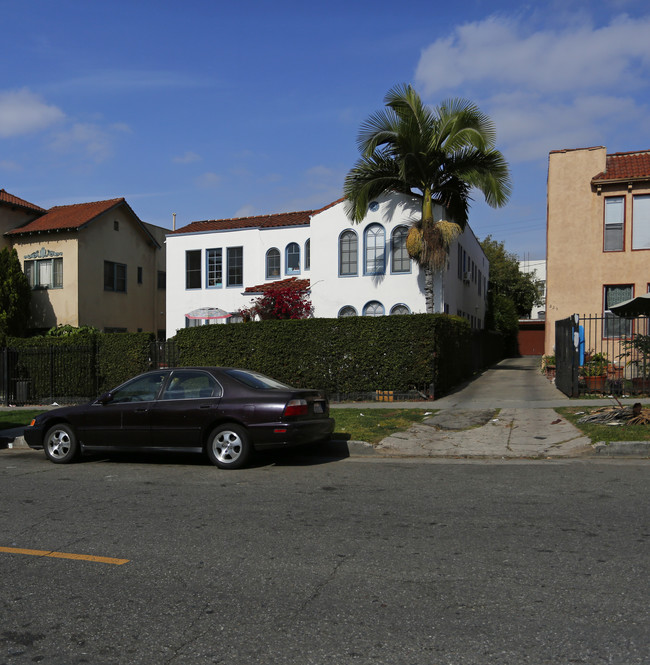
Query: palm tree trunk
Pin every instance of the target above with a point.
(428, 290)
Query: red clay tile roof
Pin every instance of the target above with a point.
(270, 286)
(67, 217)
(257, 222)
(6, 197)
(626, 166)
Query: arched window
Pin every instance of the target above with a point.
(375, 250)
(400, 259)
(348, 310)
(308, 254)
(373, 308)
(272, 263)
(400, 309)
(293, 258)
(348, 253)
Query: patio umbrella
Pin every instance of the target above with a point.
(208, 313)
(639, 306)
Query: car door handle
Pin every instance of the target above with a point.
(141, 410)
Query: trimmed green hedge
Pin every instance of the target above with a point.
(121, 356)
(348, 355)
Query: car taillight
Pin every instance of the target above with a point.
(296, 407)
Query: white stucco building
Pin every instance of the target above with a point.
(354, 269)
(537, 267)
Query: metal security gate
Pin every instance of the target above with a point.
(567, 355)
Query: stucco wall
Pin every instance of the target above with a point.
(577, 267)
(329, 291)
(53, 306)
(255, 244)
(139, 307)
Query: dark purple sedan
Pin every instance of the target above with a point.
(224, 412)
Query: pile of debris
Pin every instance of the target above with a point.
(618, 415)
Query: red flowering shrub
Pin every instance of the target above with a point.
(288, 299)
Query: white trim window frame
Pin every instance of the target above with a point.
(272, 263)
(193, 269)
(400, 261)
(214, 268)
(348, 254)
(44, 273)
(373, 308)
(614, 224)
(347, 311)
(616, 326)
(374, 251)
(235, 267)
(292, 259)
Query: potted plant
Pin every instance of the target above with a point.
(594, 372)
(548, 367)
(637, 353)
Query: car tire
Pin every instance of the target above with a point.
(229, 446)
(60, 444)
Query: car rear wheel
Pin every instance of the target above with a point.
(229, 446)
(61, 446)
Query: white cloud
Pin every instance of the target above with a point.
(117, 80)
(188, 158)
(8, 165)
(209, 180)
(91, 139)
(247, 210)
(546, 89)
(23, 112)
(500, 51)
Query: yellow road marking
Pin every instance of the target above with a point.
(64, 555)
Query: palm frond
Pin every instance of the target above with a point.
(447, 151)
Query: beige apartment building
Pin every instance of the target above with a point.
(89, 264)
(598, 234)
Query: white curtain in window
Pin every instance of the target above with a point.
(45, 273)
(641, 222)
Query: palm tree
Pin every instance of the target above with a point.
(436, 155)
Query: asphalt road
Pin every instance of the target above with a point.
(302, 561)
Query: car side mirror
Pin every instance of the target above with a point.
(105, 398)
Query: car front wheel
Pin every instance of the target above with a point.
(229, 446)
(61, 446)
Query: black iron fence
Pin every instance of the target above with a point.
(603, 355)
(45, 375)
(61, 374)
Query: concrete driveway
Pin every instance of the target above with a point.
(505, 412)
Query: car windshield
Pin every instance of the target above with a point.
(255, 380)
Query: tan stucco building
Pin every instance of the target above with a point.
(89, 264)
(598, 233)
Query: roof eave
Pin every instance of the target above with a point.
(618, 181)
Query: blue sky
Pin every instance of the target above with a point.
(212, 109)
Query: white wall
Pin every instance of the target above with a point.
(329, 291)
(538, 268)
(255, 243)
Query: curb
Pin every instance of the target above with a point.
(622, 449)
(638, 449)
(12, 440)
